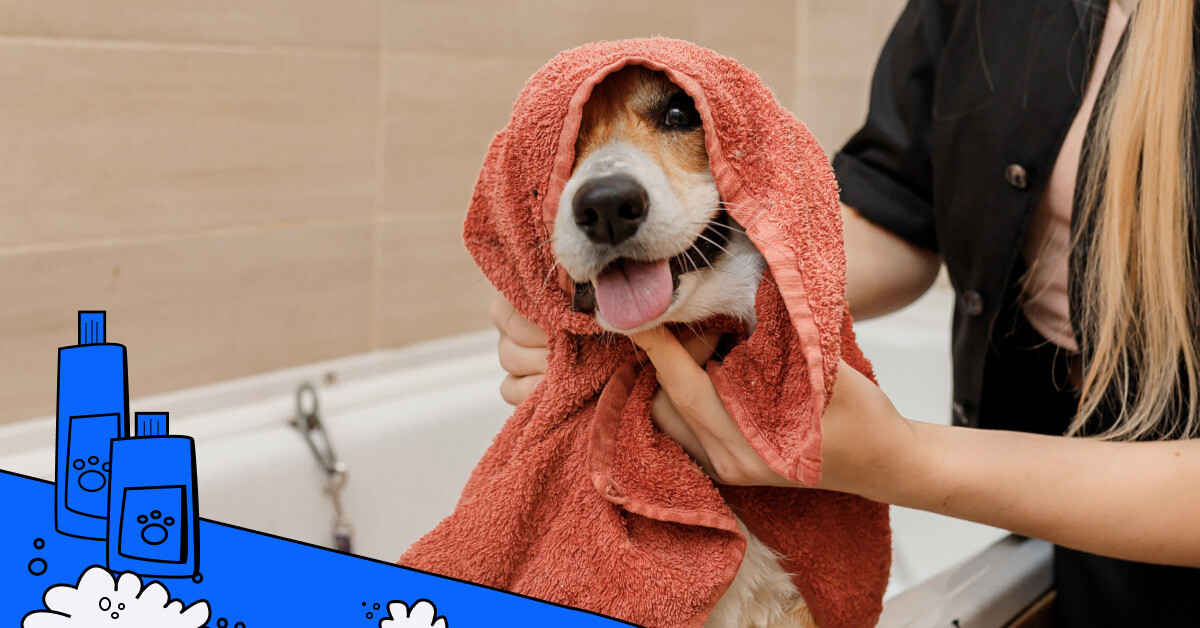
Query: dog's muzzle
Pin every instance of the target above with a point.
(609, 209)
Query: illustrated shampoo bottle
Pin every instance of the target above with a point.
(153, 523)
(93, 409)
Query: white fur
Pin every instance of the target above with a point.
(728, 288)
(762, 594)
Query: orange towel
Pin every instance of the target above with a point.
(580, 500)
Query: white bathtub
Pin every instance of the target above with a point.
(411, 423)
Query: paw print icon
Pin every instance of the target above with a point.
(89, 470)
(89, 478)
(155, 530)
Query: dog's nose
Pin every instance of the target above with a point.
(609, 209)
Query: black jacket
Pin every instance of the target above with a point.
(970, 103)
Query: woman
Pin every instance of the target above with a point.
(1043, 152)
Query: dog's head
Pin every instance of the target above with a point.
(640, 226)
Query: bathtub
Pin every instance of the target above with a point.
(410, 424)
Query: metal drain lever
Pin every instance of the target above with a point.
(342, 529)
(308, 421)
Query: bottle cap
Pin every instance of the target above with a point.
(151, 424)
(91, 328)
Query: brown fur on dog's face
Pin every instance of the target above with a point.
(640, 196)
(632, 105)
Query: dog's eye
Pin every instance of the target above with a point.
(681, 113)
(676, 117)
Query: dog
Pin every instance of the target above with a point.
(642, 232)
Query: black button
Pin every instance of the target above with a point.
(1016, 176)
(972, 303)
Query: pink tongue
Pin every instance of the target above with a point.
(631, 294)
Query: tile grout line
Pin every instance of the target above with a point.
(259, 48)
(381, 100)
(221, 231)
(189, 46)
(470, 55)
(175, 236)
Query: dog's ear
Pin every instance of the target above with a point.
(584, 300)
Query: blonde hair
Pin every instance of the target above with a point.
(1139, 310)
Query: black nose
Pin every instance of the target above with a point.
(609, 209)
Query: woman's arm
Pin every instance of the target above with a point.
(1138, 501)
(883, 272)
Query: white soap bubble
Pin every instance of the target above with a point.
(99, 601)
(423, 614)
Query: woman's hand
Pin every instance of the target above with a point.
(689, 410)
(1126, 500)
(522, 351)
(863, 435)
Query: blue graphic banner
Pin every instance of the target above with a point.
(117, 541)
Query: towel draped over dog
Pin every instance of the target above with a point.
(581, 500)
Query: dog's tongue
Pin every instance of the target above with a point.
(630, 293)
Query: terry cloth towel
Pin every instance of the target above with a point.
(581, 500)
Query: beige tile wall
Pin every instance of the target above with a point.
(251, 184)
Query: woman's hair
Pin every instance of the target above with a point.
(1139, 305)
